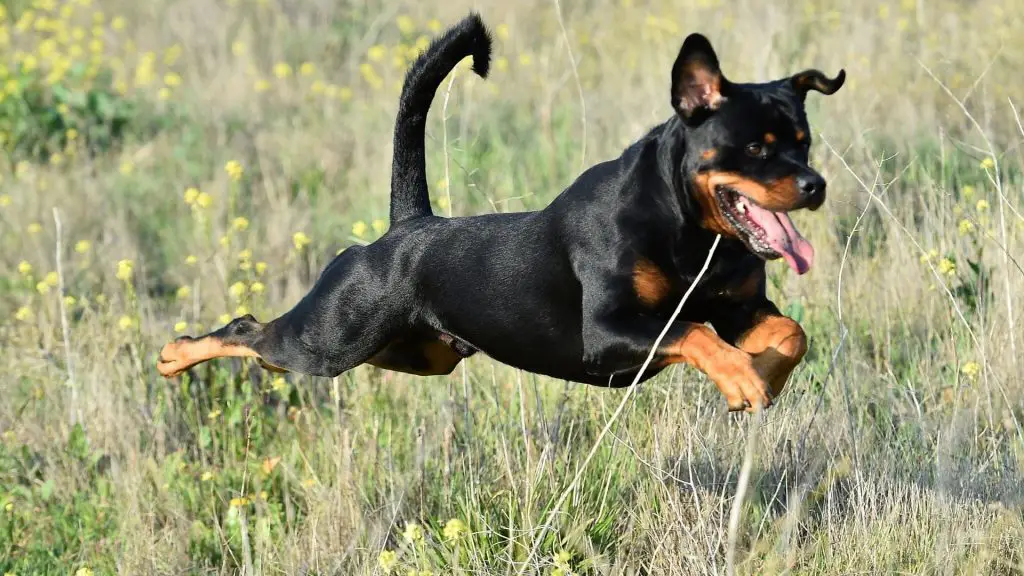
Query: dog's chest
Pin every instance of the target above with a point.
(731, 281)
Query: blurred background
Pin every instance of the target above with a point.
(171, 164)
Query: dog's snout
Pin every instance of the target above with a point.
(812, 189)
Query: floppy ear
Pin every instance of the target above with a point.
(815, 80)
(697, 82)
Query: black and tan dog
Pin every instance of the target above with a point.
(581, 289)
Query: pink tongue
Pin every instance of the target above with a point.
(783, 237)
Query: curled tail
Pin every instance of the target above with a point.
(409, 191)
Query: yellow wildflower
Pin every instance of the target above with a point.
(279, 384)
(261, 85)
(981, 206)
(83, 571)
(434, 25)
(172, 79)
(501, 31)
(501, 64)
(191, 260)
(124, 270)
(24, 314)
(387, 560)
(180, 326)
(947, 266)
(126, 167)
(51, 279)
(376, 53)
(282, 70)
(42, 287)
(34, 228)
(82, 246)
(970, 369)
(257, 288)
(562, 558)
(300, 240)
(237, 290)
(261, 268)
(191, 194)
(344, 93)
(118, 23)
(24, 268)
(224, 318)
(183, 292)
(413, 532)
(379, 226)
(359, 229)
(70, 301)
(454, 529)
(242, 310)
(988, 163)
(406, 25)
(965, 227)
(234, 170)
(204, 200)
(307, 69)
(125, 322)
(238, 502)
(207, 476)
(213, 414)
(929, 256)
(525, 60)
(5, 200)
(240, 223)
(238, 47)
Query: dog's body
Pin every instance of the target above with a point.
(581, 289)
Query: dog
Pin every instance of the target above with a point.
(580, 289)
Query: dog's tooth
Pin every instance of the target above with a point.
(741, 207)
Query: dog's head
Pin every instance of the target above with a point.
(746, 153)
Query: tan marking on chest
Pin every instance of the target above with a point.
(650, 283)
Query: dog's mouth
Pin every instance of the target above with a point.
(768, 234)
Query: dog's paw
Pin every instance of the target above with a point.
(740, 382)
(173, 360)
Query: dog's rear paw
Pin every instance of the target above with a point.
(172, 361)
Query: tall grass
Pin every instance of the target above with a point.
(209, 159)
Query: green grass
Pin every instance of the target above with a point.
(897, 449)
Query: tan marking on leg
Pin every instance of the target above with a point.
(732, 370)
(778, 344)
(180, 355)
(437, 358)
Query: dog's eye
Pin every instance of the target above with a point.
(757, 150)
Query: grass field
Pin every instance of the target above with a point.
(209, 158)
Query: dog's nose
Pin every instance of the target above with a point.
(812, 188)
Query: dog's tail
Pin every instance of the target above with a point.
(409, 192)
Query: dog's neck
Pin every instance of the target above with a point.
(678, 187)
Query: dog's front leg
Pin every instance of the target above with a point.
(777, 343)
(619, 341)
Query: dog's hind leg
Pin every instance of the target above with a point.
(273, 345)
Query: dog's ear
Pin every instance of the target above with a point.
(697, 81)
(816, 80)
